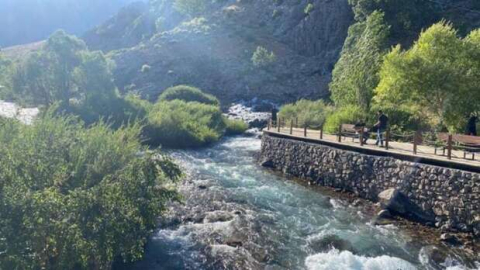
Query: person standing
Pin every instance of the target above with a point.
(274, 115)
(381, 127)
(472, 125)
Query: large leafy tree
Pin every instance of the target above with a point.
(356, 73)
(439, 76)
(47, 76)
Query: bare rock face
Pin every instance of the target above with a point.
(214, 52)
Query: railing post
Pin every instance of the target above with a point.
(296, 122)
(291, 127)
(361, 137)
(415, 141)
(279, 122)
(449, 146)
(305, 131)
(321, 132)
(387, 139)
(340, 133)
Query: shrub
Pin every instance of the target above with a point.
(262, 57)
(310, 113)
(188, 94)
(345, 115)
(180, 124)
(235, 127)
(76, 198)
(309, 8)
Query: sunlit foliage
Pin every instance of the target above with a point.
(263, 58)
(76, 198)
(356, 73)
(188, 94)
(439, 76)
(308, 113)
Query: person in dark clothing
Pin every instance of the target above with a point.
(472, 125)
(274, 115)
(366, 133)
(381, 127)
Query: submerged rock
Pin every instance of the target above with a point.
(330, 242)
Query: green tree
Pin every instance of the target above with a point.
(356, 73)
(405, 17)
(439, 75)
(47, 76)
(262, 57)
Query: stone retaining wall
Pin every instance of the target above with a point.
(450, 196)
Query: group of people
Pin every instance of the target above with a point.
(379, 127)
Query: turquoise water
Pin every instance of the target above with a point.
(238, 215)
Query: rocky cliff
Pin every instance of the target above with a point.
(214, 52)
(158, 48)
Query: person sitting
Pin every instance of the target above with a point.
(381, 127)
(472, 125)
(359, 127)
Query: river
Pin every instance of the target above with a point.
(238, 215)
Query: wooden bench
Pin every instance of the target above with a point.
(348, 130)
(469, 144)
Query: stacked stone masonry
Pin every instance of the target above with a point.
(450, 196)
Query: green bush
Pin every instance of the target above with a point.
(308, 8)
(188, 94)
(180, 124)
(76, 198)
(235, 127)
(345, 115)
(310, 113)
(263, 58)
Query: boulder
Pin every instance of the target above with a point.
(268, 163)
(399, 204)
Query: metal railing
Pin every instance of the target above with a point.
(416, 139)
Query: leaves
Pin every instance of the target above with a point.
(439, 74)
(72, 197)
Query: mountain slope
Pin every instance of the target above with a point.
(214, 51)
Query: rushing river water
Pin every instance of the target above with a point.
(238, 215)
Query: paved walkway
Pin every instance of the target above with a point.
(404, 149)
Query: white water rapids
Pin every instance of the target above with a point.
(238, 215)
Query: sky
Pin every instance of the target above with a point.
(26, 21)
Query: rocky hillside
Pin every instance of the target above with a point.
(214, 51)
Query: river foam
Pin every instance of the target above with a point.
(346, 260)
